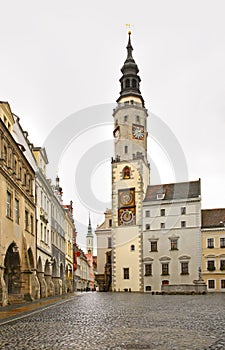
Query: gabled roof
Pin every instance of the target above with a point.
(172, 191)
(213, 218)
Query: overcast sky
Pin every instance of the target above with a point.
(60, 57)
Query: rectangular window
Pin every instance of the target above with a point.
(165, 269)
(110, 222)
(126, 273)
(26, 220)
(147, 213)
(162, 211)
(183, 223)
(154, 246)
(31, 224)
(109, 242)
(210, 243)
(183, 210)
(211, 265)
(148, 269)
(211, 284)
(8, 204)
(174, 244)
(137, 119)
(222, 242)
(125, 149)
(42, 232)
(184, 268)
(162, 225)
(125, 118)
(147, 226)
(222, 283)
(222, 265)
(16, 211)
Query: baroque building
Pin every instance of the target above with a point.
(130, 178)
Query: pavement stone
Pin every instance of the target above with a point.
(120, 321)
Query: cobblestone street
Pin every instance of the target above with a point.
(115, 321)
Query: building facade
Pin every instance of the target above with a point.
(213, 249)
(104, 252)
(43, 195)
(18, 280)
(171, 235)
(130, 178)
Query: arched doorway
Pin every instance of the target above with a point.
(12, 272)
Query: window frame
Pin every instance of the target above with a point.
(212, 244)
(126, 273)
(184, 266)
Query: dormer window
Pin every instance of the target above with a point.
(160, 195)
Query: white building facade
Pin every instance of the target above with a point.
(171, 235)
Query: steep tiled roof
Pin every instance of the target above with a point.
(179, 190)
(213, 218)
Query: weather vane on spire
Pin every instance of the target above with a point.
(128, 25)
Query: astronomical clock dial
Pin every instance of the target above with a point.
(138, 132)
(126, 216)
(126, 197)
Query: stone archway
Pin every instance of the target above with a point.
(12, 273)
(62, 278)
(56, 278)
(41, 279)
(34, 281)
(48, 279)
(69, 281)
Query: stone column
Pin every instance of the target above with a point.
(3, 288)
(58, 285)
(50, 285)
(43, 285)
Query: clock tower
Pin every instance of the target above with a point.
(130, 178)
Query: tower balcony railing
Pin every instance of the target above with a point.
(138, 155)
(128, 103)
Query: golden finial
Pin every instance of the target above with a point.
(128, 26)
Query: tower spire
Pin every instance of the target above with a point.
(89, 227)
(89, 238)
(130, 80)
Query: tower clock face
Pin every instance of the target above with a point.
(127, 216)
(138, 132)
(126, 197)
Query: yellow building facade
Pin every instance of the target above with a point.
(18, 280)
(213, 249)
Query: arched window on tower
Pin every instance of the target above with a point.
(134, 83)
(127, 83)
(126, 172)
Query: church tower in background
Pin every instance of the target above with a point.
(130, 178)
(89, 238)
